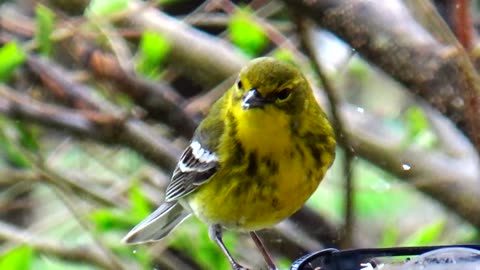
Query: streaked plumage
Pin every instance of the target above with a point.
(255, 159)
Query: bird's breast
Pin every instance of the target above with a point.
(264, 131)
(258, 190)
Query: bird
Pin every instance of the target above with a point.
(254, 160)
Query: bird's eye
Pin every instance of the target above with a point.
(239, 84)
(284, 94)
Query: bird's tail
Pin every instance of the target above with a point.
(158, 224)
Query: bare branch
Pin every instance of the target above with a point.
(79, 253)
(425, 163)
(158, 99)
(441, 176)
(307, 42)
(385, 33)
(112, 128)
(206, 59)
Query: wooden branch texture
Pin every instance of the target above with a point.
(430, 65)
(385, 33)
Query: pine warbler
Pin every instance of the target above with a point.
(253, 161)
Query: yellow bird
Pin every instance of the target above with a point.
(253, 161)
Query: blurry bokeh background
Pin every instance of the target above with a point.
(98, 99)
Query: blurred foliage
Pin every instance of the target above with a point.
(388, 211)
(430, 234)
(192, 236)
(374, 188)
(45, 25)
(418, 128)
(52, 263)
(387, 207)
(19, 258)
(153, 52)
(246, 33)
(14, 136)
(108, 219)
(12, 57)
(359, 69)
(390, 236)
(105, 7)
(284, 55)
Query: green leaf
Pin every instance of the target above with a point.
(140, 206)
(246, 33)
(419, 128)
(192, 237)
(153, 52)
(11, 56)
(389, 237)
(105, 7)
(168, 2)
(28, 136)
(45, 26)
(428, 235)
(358, 69)
(416, 120)
(284, 55)
(111, 218)
(8, 148)
(19, 258)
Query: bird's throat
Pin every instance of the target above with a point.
(264, 131)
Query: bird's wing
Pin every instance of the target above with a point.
(199, 161)
(158, 224)
(196, 166)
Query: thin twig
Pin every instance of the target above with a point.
(89, 254)
(339, 127)
(463, 23)
(67, 195)
(158, 99)
(386, 34)
(115, 129)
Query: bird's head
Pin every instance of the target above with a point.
(266, 83)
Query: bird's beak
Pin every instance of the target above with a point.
(253, 99)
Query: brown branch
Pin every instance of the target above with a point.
(113, 129)
(20, 106)
(204, 58)
(463, 23)
(390, 38)
(15, 22)
(80, 178)
(51, 75)
(425, 162)
(27, 109)
(441, 176)
(130, 132)
(220, 62)
(84, 253)
(305, 231)
(307, 42)
(435, 173)
(14, 176)
(221, 20)
(158, 99)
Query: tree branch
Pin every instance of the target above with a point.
(305, 30)
(206, 59)
(386, 34)
(80, 253)
(441, 176)
(158, 99)
(111, 126)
